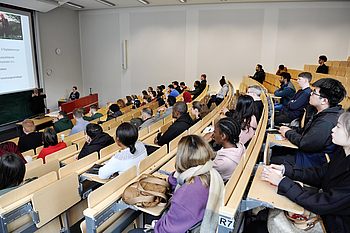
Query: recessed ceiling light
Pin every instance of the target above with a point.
(106, 3)
(183, 1)
(74, 5)
(144, 2)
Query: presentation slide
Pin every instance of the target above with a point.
(17, 71)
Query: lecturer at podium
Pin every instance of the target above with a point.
(37, 102)
(74, 95)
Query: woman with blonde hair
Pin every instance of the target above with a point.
(198, 190)
(121, 103)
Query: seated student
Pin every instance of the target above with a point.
(96, 139)
(132, 152)
(147, 117)
(323, 69)
(10, 147)
(219, 97)
(121, 103)
(245, 114)
(167, 110)
(197, 89)
(198, 110)
(93, 113)
(259, 74)
(62, 122)
(129, 100)
(51, 143)
(198, 190)
(183, 87)
(172, 91)
(153, 95)
(30, 139)
(80, 124)
(314, 140)
(187, 97)
(255, 92)
(281, 69)
(113, 112)
(159, 91)
(182, 123)
(12, 170)
(177, 87)
(286, 91)
(330, 199)
(203, 84)
(295, 107)
(226, 134)
(74, 95)
(149, 90)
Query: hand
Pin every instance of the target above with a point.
(55, 120)
(283, 130)
(224, 110)
(208, 136)
(160, 109)
(271, 175)
(277, 167)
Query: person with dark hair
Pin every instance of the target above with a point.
(244, 113)
(219, 97)
(159, 92)
(62, 122)
(172, 91)
(93, 113)
(149, 90)
(177, 87)
(281, 69)
(197, 90)
(259, 74)
(37, 102)
(146, 96)
(203, 82)
(199, 110)
(153, 95)
(137, 121)
(114, 111)
(30, 138)
(182, 123)
(323, 69)
(314, 141)
(80, 124)
(132, 152)
(129, 100)
(226, 133)
(51, 143)
(96, 139)
(295, 107)
(167, 110)
(183, 87)
(10, 147)
(329, 197)
(286, 92)
(12, 171)
(74, 95)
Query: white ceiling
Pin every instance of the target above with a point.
(47, 5)
(93, 4)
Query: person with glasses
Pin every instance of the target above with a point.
(314, 141)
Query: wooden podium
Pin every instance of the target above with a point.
(84, 102)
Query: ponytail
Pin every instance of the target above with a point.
(132, 149)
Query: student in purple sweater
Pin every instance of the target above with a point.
(198, 190)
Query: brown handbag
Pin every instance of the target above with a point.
(148, 191)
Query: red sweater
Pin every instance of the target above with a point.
(51, 149)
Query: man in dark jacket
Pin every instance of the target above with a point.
(197, 90)
(30, 139)
(259, 74)
(323, 69)
(314, 141)
(295, 107)
(203, 82)
(286, 92)
(62, 122)
(96, 139)
(182, 123)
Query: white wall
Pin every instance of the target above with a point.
(181, 42)
(59, 28)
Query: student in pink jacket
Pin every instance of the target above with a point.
(226, 134)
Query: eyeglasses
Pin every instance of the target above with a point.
(315, 93)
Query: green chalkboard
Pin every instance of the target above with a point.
(15, 107)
